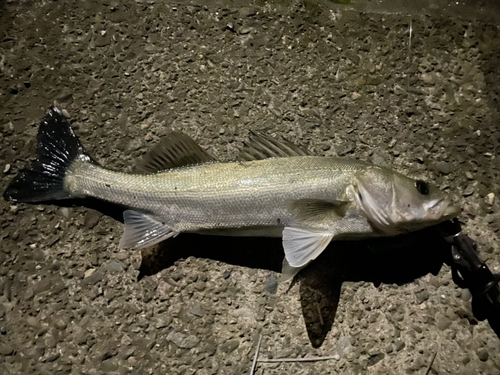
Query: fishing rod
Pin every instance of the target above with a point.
(469, 271)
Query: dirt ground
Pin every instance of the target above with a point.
(418, 92)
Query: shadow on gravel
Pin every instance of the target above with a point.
(396, 260)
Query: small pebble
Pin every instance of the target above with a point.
(89, 273)
(272, 283)
(6, 350)
(114, 266)
(466, 295)
(483, 355)
(469, 190)
(355, 95)
(230, 346)
(399, 345)
(32, 321)
(442, 322)
(52, 357)
(422, 296)
(443, 167)
(6, 169)
(490, 198)
(182, 340)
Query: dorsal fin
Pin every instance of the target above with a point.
(175, 150)
(261, 146)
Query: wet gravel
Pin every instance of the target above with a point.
(328, 77)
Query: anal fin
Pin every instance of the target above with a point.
(142, 230)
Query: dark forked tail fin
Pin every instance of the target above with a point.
(58, 147)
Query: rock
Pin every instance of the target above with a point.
(442, 322)
(346, 148)
(245, 30)
(122, 255)
(6, 350)
(102, 38)
(272, 283)
(443, 167)
(91, 219)
(469, 190)
(230, 346)
(247, 12)
(93, 279)
(114, 266)
(490, 199)
(52, 357)
(32, 321)
(399, 344)
(109, 365)
(196, 310)
(380, 160)
(483, 355)
(430, 78)
(375, 358)
(465, 295)
(42, 286)
(344, 343)
(88, 273)
(182, 340)
(60, 324)
(422, 296)
(109, 354)
(351, 55)
(163, 322)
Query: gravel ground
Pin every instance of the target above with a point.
(328, 77)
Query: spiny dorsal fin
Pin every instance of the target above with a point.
(175, 150)
(261, 146)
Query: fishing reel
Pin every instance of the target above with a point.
(468, 271)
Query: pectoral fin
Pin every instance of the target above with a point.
(304, 245)
(142, 230)
(288, 272)
(317, 210)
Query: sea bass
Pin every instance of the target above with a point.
(276, 189)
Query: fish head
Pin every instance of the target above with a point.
(397, 204)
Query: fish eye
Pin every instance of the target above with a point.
(422, 187)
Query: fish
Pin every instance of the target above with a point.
(274, 189)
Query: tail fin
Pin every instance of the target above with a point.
(57, 148)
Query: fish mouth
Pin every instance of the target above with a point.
(444, 210)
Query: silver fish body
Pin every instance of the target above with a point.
(257, 197)
(277, 190)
